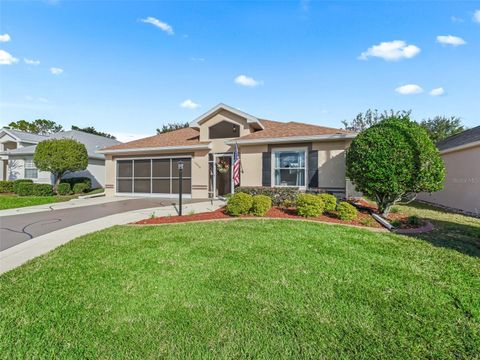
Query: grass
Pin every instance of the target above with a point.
(10, 201)
(455, 231)
(243, 289)
(14, 201)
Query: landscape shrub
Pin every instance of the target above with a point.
(6, 186)
(77, 180)
(16, 183)
(329, 200)
(394, 160)
(346, 211)
(63, 189)
(261, 204)
(239, 204)
(414, 220)
(309, 205)
(80, 187)
(277, 194)
(24, 188)
(396, 223)
(42, 190)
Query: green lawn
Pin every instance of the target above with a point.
(14, 201)
(243, 289)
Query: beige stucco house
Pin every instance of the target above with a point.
(461, 155)
(272, 153)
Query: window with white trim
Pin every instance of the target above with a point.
(289, 167)
(31, 171)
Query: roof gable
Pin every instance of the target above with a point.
(251, 120)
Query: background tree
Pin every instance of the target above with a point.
(394, 160)
(371, 117)
(172, 127)
(38, 126)
(92, 130)
(60, 156)
(441, 127)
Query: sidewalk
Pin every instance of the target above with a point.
(18, 255)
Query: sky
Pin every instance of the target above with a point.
(127, 68)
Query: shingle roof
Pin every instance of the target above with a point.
(465, 137)
(190, 136)
(182, 137)
(24, 136)
(92, 143)
(276, 129)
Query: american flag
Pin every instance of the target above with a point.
(236, 167)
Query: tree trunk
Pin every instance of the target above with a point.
(58, 178)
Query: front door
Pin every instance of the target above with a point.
(223, 174)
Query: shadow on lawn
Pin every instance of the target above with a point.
(460, 237)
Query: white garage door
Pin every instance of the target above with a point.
(153, 176)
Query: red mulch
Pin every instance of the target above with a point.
(363, 219)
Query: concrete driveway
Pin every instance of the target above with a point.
(16, 229)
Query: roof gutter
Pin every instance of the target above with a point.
(147, 149)
(291, 139)
(460, 147)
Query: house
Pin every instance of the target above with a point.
(17, 149)
(461, 155)
(272, 153)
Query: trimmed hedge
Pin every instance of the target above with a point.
(63, 189)
(24, 188)
(16, 184)
(77, 180)
(278, 194)
(309, 205)
(80, 187)
(346, 211)
(42, 190)
(329, 200)
(6, 186)
(261, 204)
(239, 204)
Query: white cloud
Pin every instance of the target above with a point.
(7, 58)
(159, 24)
(189, 104)
(197, 59)
(437, 91)
(456, 19)
(39, 99)
(476, 16)
(247, 81)
(31, 61)
(56, 71)
(5, 38)
(450, 40)
(409, 89)
(391, 51)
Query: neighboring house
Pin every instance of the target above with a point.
(17, 149)
(272, 153)
(461, 155)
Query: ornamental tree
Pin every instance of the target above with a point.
(393, 161)
(60, 156)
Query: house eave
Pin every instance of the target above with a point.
(291, 139)
(460, 147)
(151, 149)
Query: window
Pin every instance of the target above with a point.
(31, 172)
(153, 176)
(289, 167)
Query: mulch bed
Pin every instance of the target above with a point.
(364, 219)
